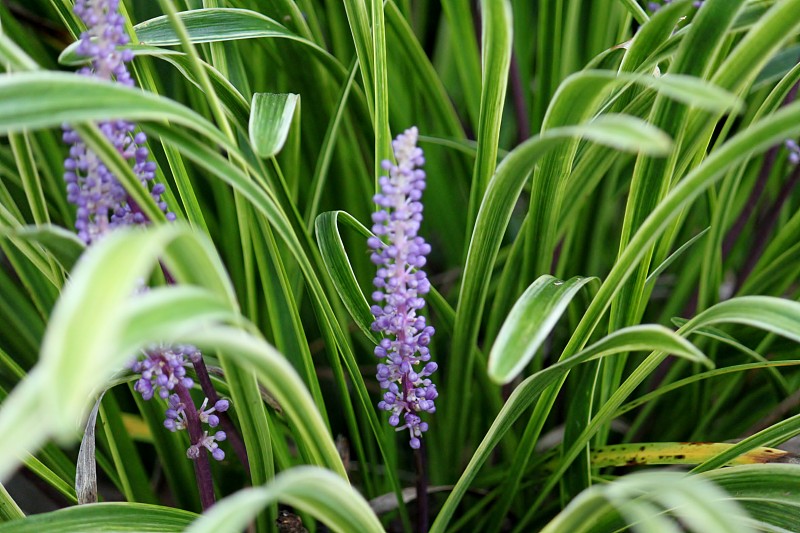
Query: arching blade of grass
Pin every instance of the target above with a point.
(104, 517)
(316, 491)
(640, 499)
(335, 257)
(765, 491)
(496, 49)
(217, 24)
(75, 363)
(771, 314)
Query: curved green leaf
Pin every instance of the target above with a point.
(226, 24)
(105, 517)
(768, 492)
(765, 312)
(97, 325)
(320, 493)
(641, 499)
(270, 119)
(30, 100)
(334, 255)
(529, 323)
(493, 218)
(65, 246)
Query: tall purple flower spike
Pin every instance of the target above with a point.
(400, 254)
(102, 202)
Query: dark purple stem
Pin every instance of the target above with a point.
(518, 95)
(752, 202)
(230, 430)
(202, 468)
(422, 488)
(765, 225)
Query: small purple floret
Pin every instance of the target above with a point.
(399, 253)
(208, 442)
(794, 151)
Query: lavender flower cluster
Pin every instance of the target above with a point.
(102, 202)
(163, 371)
(400, 253)
(655, 6)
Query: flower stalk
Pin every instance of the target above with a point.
(401, 284)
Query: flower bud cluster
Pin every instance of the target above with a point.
(163, 373)
(399, 254)
(176, 420)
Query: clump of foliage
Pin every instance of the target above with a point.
(200, 199)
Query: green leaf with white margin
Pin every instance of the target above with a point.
(227, 24)
(631, 135)
(756, 138)
(641, 498)
(636, 338)
(768, 492)
(318, 492)
(278, 376)
(777, 315)
(529, 323)
(212, 25)
(338, 266)
(673, 256)
(9, 510)
(31, 100)
(695, 91)
(270, 118)
(104, 517)
(768, 313)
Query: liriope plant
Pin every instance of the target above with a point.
(207, 223)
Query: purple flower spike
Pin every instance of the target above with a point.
(102, 202)
(399, 254)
